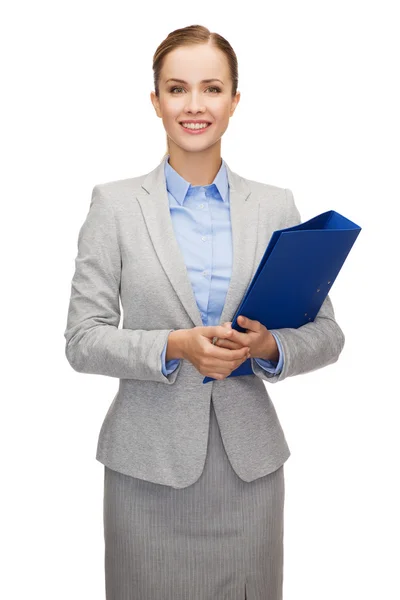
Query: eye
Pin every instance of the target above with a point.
(172, 90)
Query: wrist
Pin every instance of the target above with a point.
(175, 346)
(272, 350)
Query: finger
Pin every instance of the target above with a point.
(227, 367)
(247, 323)
(227, 354)
(228, 344)
(239, 338)
(221, 331)
(213, 333)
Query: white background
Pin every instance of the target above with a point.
(318, 114)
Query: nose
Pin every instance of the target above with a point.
(194, 103)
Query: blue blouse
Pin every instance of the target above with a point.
(201, 220)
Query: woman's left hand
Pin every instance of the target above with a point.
(258, 338)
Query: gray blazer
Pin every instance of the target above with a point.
(157, 426)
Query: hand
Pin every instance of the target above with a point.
(209, 360)
(227, 342)
(258, 338)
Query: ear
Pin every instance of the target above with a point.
(235, 102)
(156, 103)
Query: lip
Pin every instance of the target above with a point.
(196, 131)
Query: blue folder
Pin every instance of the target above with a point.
(296, 274)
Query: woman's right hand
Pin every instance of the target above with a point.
(209, 359)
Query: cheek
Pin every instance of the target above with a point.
(222, 114)
(170, 110)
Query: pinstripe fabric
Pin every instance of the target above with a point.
(220, 538)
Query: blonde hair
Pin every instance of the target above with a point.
(187, 36)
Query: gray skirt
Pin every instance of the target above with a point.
(220, 538)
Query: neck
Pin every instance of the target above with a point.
(198, 168)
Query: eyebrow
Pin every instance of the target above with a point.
(203, 81)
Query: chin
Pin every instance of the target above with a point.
(193, 145)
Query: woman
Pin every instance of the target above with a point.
(193, 472)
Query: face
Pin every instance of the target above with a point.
(195, 100)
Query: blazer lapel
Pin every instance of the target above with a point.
(244, 211)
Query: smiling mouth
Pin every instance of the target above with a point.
(194, 128)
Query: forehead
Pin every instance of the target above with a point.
(196, 62)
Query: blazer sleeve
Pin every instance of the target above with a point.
(94, 343)
(311, 346)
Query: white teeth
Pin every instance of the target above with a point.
(195, 125)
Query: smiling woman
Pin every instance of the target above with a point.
(205, 67)
(193, 474)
